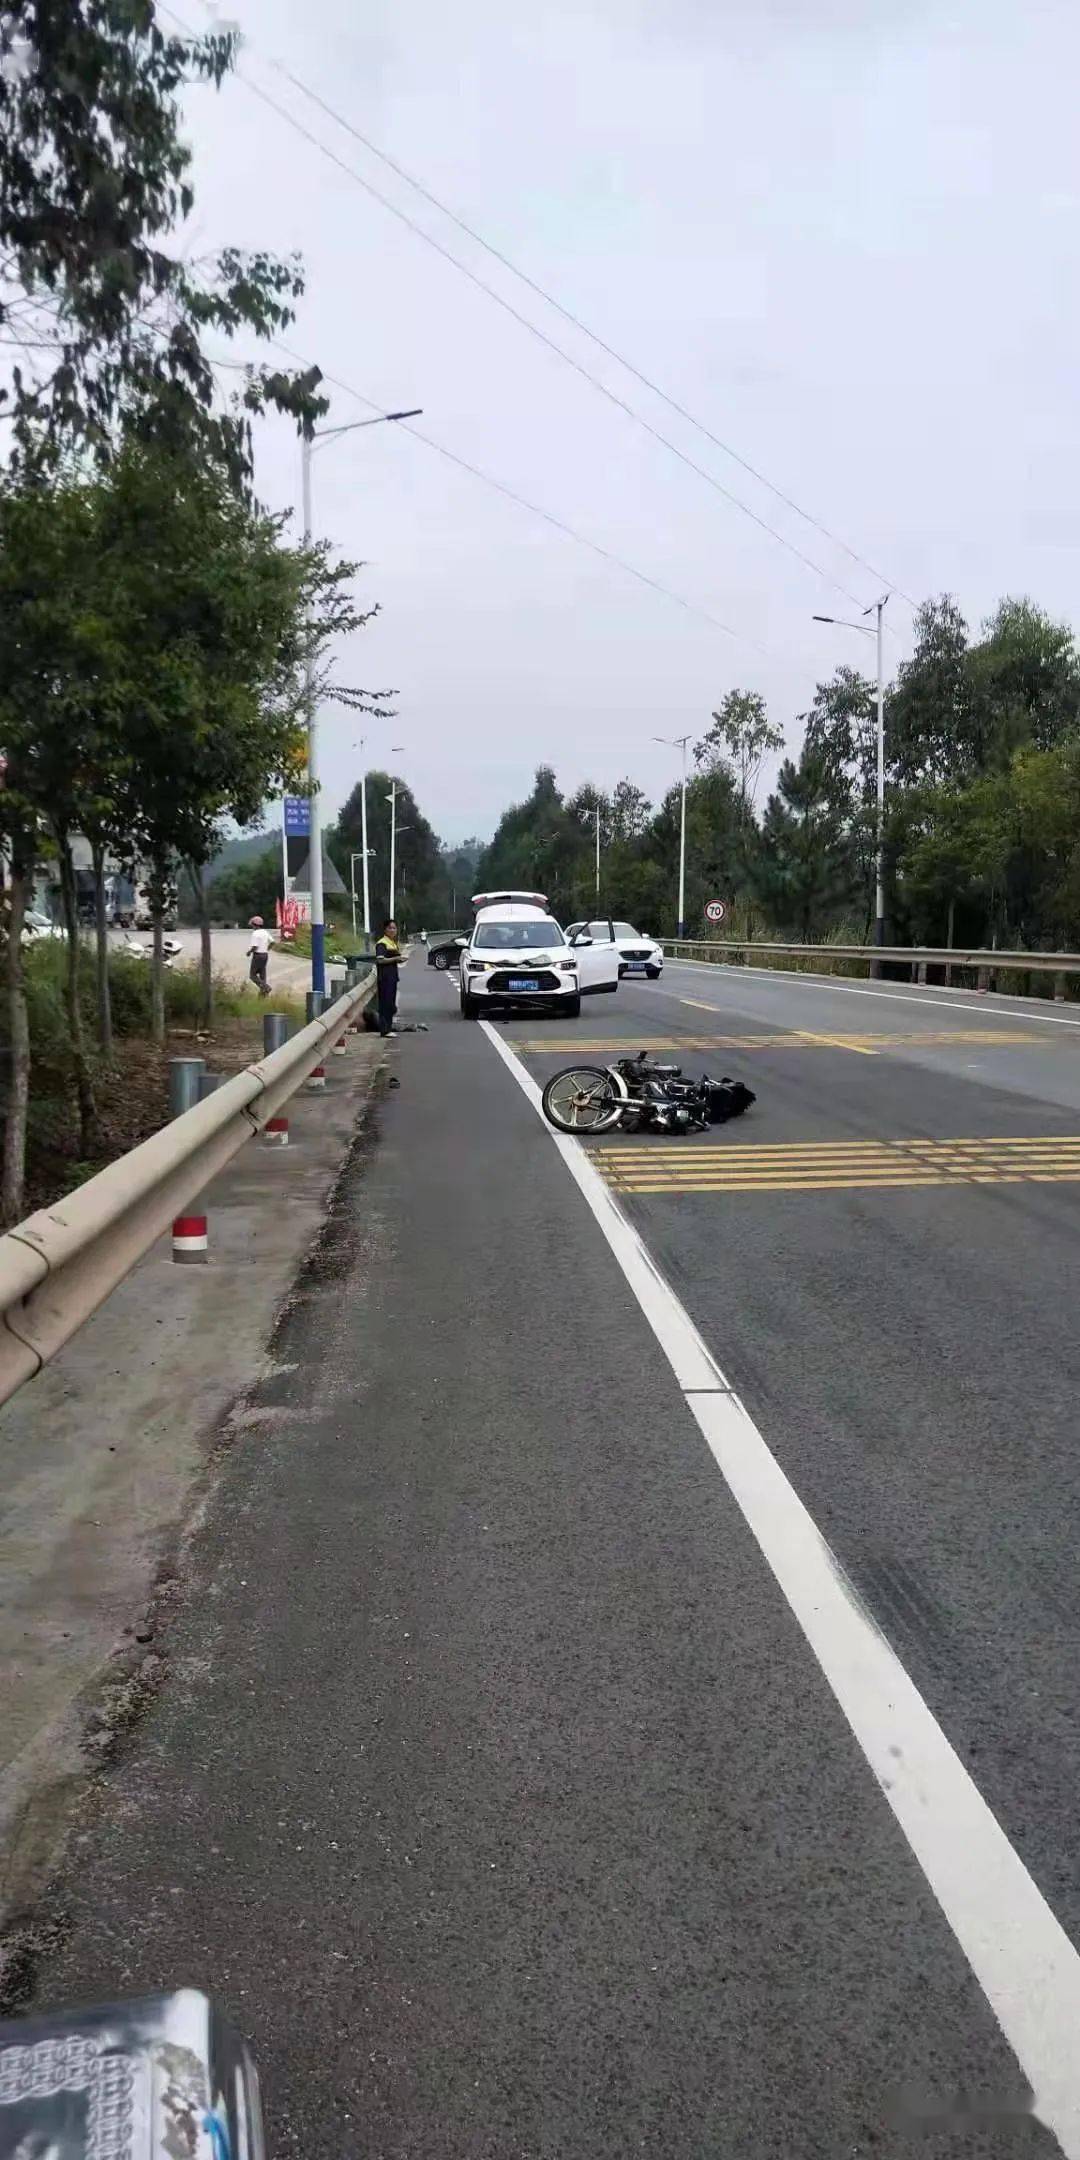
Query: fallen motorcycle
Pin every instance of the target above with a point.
(641, 1096)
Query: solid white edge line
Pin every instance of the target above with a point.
(1022, 1958)
(912, 996)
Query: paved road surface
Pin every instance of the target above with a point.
(495, 1785)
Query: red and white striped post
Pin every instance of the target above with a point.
(341, 1045)
(276, 1132)
(317, 1077)
(189, 1240)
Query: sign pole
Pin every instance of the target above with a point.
(284, 856)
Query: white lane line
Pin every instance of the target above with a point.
(914, 996)
(1021, 1956)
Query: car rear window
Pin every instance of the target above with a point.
(516, 936)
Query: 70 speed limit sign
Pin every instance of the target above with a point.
(715, 910)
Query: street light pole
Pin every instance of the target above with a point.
(364, 845)
(310, 438)
(395, 751)
(841, 622)
(392, 799)
(318, 928)
(879, 898)
(679, 742)
(598, 855)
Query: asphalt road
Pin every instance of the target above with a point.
(494, 1785)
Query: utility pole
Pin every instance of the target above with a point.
(879, 901)
(318, 929)
(364, 845)
(598, 855)
(392, 800)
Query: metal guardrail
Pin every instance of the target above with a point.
(59, 1265)
(987, 961)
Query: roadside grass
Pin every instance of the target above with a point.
(131, 1087)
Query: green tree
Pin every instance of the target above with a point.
(1025, 682)
(248, 888)
(741, 738)
(804, 869)
(101, 316)
(422, 889)
(217, 619)
(931, 732)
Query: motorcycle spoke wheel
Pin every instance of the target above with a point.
(581, 1100)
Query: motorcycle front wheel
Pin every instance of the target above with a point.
(582, 1099)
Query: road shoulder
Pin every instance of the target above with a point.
(108, 1456)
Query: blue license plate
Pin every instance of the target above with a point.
(523, 982)
(636, 967)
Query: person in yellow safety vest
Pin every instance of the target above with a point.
(387, 964)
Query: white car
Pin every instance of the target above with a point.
(517, 956)
(638, 955)
(37, 926)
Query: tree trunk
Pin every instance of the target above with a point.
(89, 1126)
(197, 873)
(101, 929)
(157, 976)
(18, 1088)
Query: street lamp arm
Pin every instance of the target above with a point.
(323, 434)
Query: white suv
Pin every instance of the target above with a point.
(638, 954)
(517, 956)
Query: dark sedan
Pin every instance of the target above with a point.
(445, 952)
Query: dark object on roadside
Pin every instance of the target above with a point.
(393, 1081)
(446, 952)
(166, 2074)
(641, 1096)
(369, 1020)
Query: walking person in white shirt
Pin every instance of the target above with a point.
(258, 953)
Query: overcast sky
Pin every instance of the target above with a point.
(843, 233)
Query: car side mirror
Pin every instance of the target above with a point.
(581, 939)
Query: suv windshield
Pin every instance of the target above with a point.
(516, 936)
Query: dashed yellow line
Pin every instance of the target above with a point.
(683, 1165)
(792, 1039)
(835, 1042)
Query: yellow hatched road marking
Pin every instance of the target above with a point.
(839, 1165)
(792, 1039)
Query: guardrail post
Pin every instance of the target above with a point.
(184, 1076)
(1059, 989)
(276, 1132)
(317, 1078)
(275, 1032)
(920, 971)
(982, 979)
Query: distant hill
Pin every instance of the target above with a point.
(246, 847)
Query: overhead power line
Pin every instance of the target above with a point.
(559, 525)
(402, 172)
(534, 330)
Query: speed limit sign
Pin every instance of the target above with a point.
(715, 910)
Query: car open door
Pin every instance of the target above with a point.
(597, 959)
